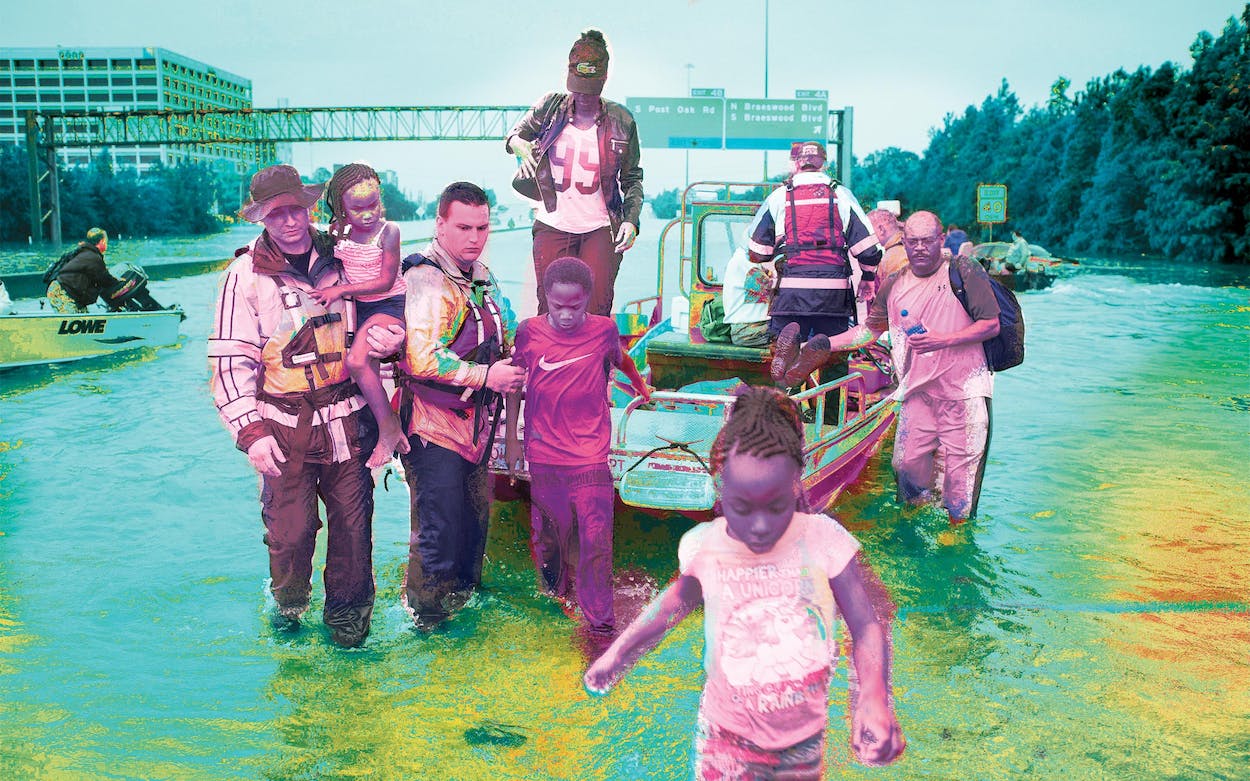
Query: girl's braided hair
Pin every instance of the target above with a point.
(343, 180)
(765, 422)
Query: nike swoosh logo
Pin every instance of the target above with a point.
(545, 365)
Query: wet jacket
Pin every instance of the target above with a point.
(436, 313)
(278, 358)
(620, 176)
(85, 276)
(815, 279)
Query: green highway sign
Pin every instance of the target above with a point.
(679, 123)
(991, 203)
(707, 92)
(759, 123)
(812, 94)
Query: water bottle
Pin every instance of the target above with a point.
(914, 328)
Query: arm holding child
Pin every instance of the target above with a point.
(379, 284)
(666, 611)
(876, 736)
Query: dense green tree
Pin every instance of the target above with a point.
(1153, 161)
(665, 204)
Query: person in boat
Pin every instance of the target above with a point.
(281, 385)
(1020, 255)
(453, 368)
(368, 247)
(890, 234)
(83, 277)
(568, 355)
(747, 290)
(820, 228)
(772, 579)
(945, 383)
(579, 158)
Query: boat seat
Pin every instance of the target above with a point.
(676, 361)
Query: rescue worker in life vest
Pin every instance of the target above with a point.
(818, 225)
(453, 368)
(281, 386)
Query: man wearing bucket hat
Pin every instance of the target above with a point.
(284, 393)
(579, 158)
(818, 225)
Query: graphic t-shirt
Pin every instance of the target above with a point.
(769, 626)
(567, 420)
(574, 161)
(747, 289)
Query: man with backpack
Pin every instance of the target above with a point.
(939, 355)
(80, 276)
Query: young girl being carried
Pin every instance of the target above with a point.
(368, 247)
(772, 580)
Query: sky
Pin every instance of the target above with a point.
(902, 65)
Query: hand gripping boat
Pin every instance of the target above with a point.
(660, 450)
(39, 336)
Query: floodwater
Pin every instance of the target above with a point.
(1092, 623)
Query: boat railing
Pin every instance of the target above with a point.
(854, 385)
(705, 400)
(689, 199)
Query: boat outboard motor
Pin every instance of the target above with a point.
(132, 292)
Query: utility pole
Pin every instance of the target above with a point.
(689, 70)
(765, 177)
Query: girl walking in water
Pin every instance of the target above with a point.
(772, 580)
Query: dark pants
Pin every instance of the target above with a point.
(289, 511)
(449, 515)
(809, 325)
(596, 249)
(571, 518)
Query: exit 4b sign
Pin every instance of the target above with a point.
(991, 203)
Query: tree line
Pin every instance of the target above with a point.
(1153, 162)
(187, 198)
(165, 200)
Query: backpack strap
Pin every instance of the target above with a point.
(957, 284)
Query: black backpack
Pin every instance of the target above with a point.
(55, 269)
(1007, 348)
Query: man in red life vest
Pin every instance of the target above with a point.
(818, 225)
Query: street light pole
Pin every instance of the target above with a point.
(766, 77)
(689, 70)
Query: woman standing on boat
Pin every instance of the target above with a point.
(579, 158)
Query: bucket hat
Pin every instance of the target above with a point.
(275, 186)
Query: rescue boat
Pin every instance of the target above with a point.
(32, 334)
(661, 449)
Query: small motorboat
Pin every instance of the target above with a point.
(32, 334)
(1039, 272)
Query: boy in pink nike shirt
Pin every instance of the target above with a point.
(569, 356)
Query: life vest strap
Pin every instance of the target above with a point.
(816, 283)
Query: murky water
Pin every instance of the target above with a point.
(1091, 624)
